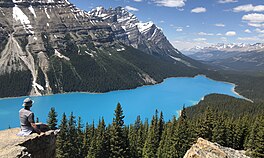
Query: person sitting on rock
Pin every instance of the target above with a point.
(27, 122)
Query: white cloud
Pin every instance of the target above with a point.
(185, 44)
(131, 8)
(255, 25)
(249, 8)
(220, 25)
(205, 34)
(198, 10)
(227, 1)
(254, 18)
(170, 3)
(179, 29)
(259, 30)
(248, 39)
(199, 39)
(219, 34)
(247, 31)
(230, 33)
(187, 25)
(138, 0)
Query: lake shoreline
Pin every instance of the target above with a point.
(168, 96)
(233, 89)
(147, 85)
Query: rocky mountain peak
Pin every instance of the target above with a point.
(230, 47)
(145, 36)
(41, 1)
(143, 27)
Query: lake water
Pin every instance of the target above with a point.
(168, 97)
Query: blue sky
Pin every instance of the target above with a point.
(189, 23)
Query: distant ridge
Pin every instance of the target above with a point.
(238, 57)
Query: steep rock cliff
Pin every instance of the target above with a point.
(33, 146)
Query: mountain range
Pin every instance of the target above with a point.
(51, 46)
(239, 57)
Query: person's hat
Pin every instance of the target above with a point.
(28, 102)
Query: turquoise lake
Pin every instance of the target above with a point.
(168, 97)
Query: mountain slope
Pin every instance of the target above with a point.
(50, 46)
(128, 29)
(241, 57)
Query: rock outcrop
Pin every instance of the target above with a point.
(206, 149)
(33, 146)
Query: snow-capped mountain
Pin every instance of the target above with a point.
(51, 46)
(244, 57)
(241, 47)
(145, 36)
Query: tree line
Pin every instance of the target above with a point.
(156, 138)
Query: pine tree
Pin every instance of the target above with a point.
(206, 126)
(240, 131)
(136, 140)
(80, 139)
(92, 149)
(259, 142)
(164, 149)
(181, 136)
(160, 126)
(52, 119)
(102, 147)
(86, 140)
(219, 131)
(72, 136)
(145, 129)
(119, 139)
(91, 134)
(230, 132)
(62, 143)
(251, 143)
(139, 137)
(152, 141)
(132, 140)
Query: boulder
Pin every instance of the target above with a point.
(206, 149)
(32, 146)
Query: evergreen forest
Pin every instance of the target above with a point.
(224, 122)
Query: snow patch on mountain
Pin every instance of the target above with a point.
(99, 11)
(143, 27)
(120, 49)
(31, 9)
(38, 86)
(47, 13)
(91, 54)
(18, 15)
(58, 54)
